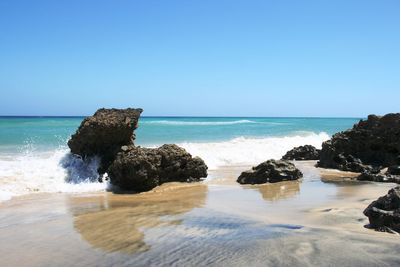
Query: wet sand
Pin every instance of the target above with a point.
(316, 221)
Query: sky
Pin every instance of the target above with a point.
(200, 58)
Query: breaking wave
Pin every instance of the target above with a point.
(250, 151)
(59, 171)
(51, 171)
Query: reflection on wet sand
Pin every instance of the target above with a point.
(281, 190)
(331, 175)
(116, 222)
(218, 223)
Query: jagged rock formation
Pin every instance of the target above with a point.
(104, 133)
(384, 213)
(373, 142)
(109, 134)
(306, 152)
(270, 171)
(141, 169)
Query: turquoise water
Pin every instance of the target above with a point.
(34, 156)
(18, 134)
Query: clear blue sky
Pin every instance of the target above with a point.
(248, 58)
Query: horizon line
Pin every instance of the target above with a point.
(180, 116)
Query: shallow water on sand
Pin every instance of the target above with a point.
(217, 222)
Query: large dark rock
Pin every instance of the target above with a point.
(141, 169)
(375, 142)
(104, 133)
(306, 152)
(384, 213)
(270, 171)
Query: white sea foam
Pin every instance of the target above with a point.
(58, 171)
(200, 123)
(250, 151)
(52, 171)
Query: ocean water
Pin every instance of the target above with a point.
(34, 155)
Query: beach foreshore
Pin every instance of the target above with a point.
(314, 221)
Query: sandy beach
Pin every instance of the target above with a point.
(199, 133)
(315, 221)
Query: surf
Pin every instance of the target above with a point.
(57, 170)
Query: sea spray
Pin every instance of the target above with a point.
(50, 171)
(80, 170)
(59, 171)
(34, 156)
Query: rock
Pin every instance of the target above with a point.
(375, 142)
(270, 171)
(384, 213)
(394, 170)
(306, 152)
(379, 177)
(349, 163)
(141, 169)
(109, 135)
(104, 133)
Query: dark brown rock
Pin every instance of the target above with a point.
(375, 142)
(394, 170)
(270, 171)
(306, 152)
(378, 177)
(104, 133)
(141, 169)
(384, 213)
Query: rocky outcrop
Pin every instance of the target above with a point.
(306, 152)
(374, 142)
(270, 171)
(384, 213)
(109, 135)
(104, 133)
(348, 163)
(141, 169)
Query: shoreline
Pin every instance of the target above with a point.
(221, 222)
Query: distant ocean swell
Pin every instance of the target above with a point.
(56, 171)
(200, 123)
(207, 123)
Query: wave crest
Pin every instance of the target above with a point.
(51, 171)
(251, 151)
(59, 171)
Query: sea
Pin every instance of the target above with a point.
(34, 156)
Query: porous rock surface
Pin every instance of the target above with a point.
(371, 143)
(379, 177)
(104, 133)
(270, 171)
(307, 152)
(384, 213)
(141, 169)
